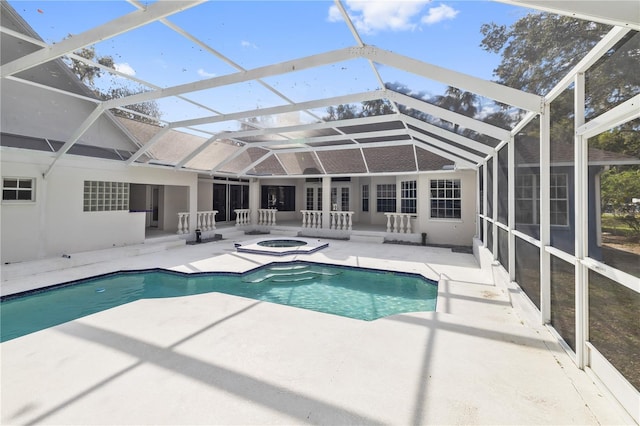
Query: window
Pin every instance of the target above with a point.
(445, 199)
(365, 198)
(282, 198)
(559, 202)
(408, 196)
(319, 198)
(344, 199)
(310, 193)
(386, 198)
(18, 189)
(105, 196)
(528, 199)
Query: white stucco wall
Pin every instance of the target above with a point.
(55, 223)
(205, 194)
(448, 231)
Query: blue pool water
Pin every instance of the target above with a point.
(358, 293)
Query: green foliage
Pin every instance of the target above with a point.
(149, 108)
(88, 75)
(539, 49)
(624, 139)
(366, 109)
(619, 186)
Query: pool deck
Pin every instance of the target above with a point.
(220, 359)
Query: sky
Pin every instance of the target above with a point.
(259, 33)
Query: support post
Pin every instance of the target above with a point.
(254, 200)
(545, 219)
(326, 202)
(581, 223)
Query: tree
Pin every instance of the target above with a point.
(88, 74)
(458, 101)
(540, 48)
(149, 108)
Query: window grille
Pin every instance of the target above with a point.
(408, 196)
(386, 198)
(445, 199)
(18, 189)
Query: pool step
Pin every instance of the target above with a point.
(282, 274)
(288, 268)
(295, 280)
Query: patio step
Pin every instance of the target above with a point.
(367, 238)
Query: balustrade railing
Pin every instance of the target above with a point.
(341, 221)
(205, 221)
(243, 217)
(267, 217)
(399, 223)
(311, 218)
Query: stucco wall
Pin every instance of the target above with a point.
(448, 231)
(55, 223)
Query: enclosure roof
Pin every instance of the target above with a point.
(249, 113)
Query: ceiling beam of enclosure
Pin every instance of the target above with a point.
(622, 13)
(111, 29)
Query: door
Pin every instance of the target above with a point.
(238, 199)
(340, 198)
(220, 201)
(153, 206)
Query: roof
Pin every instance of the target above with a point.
(287, 132)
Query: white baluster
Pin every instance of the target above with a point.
(388, 222)
(350, 221)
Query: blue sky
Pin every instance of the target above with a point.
(258, 33)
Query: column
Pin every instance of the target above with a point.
(254, 200)
(326, 202)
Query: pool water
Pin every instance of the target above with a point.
(282, 243)
(358, 293)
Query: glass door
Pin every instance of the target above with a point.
(220, 201)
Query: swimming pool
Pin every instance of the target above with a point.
(365, 294)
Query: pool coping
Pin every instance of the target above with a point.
(254, 247)
(26, 293)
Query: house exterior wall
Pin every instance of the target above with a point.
(448, 231)
(205, 194)
(55, 223)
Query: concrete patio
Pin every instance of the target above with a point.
(481, 358)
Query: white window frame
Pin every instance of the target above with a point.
(445, 197)
(386, 191)
(553, 198)
(408, 194)
(365, 198)
(18, 188)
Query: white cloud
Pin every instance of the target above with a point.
(372, 16)
(379, 15)
(125, 68)
(245, 43)
(205, 74)
(439, 14)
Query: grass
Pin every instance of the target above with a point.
(616, 225)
